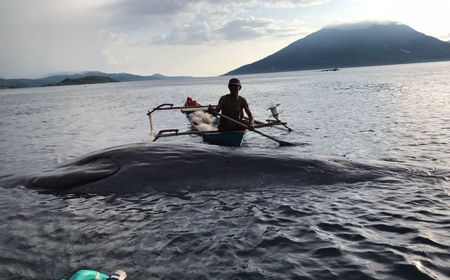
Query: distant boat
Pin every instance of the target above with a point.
(331, 69)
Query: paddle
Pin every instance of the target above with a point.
(282, 143)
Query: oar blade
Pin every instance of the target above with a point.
(285, 144)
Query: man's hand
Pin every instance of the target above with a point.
(211, 110)
(251, 124)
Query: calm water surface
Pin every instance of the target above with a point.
(364, 194)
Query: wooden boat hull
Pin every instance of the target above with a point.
(229, 138)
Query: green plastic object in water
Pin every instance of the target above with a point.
(89, 275)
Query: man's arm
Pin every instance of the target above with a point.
(217, 109)
(220, 105)
(249, 114)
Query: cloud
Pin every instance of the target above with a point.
(149, 7)
(174, 7)
(202, 22)
(44, 36)
(191, 34)
(292, 3)
(126, 13)
(446, 37)
(38, 37)
(132, 13)
(360, 24)
(234, 30)
(253, 28)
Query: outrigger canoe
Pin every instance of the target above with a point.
(203, 121)
(205, 125)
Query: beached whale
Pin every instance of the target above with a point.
(151, 167)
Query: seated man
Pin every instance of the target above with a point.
(232, 105)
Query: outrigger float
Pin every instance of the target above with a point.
(204, 122)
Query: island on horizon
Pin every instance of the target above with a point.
(84, 81)
(87, 77)
(352, 45)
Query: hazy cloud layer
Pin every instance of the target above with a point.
(234, 30)
(45, 36)
(183, 14)
(252, 28)
(204, 22)
(39, 37)
(173, 7)
(358, 25)
(293, 3)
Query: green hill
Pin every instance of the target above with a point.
(84, 81)
(351, 45)
(75, 79)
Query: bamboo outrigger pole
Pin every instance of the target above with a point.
(169, 106)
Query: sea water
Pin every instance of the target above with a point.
(364, 194)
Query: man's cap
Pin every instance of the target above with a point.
(234, 81)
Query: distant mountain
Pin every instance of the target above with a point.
(361, 44)
(84, 81)
(56, 79)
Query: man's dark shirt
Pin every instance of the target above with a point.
(233, 108)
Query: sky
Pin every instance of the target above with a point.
(180, 37)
